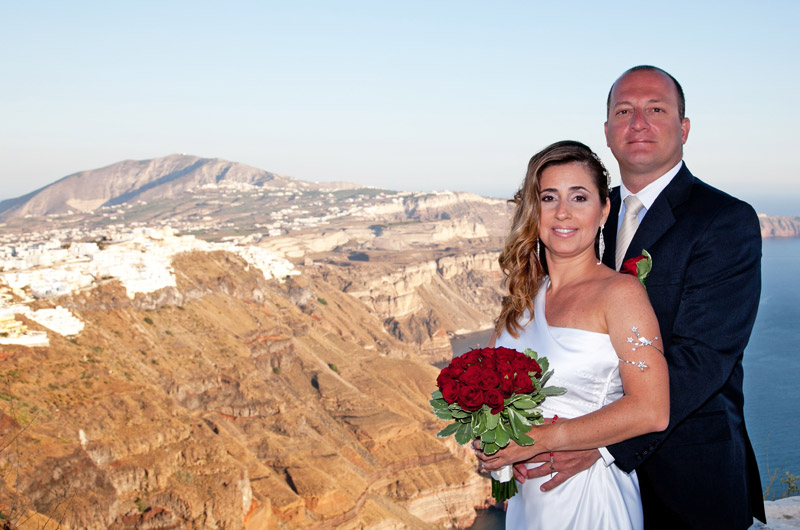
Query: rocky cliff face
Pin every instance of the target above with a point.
(421, 303)
(779, 226)
(234, 402)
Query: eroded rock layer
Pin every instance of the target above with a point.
(230, 401)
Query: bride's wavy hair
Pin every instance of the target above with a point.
(523, 268)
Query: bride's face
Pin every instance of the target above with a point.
(571, 211)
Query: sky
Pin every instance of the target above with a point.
(411, 95)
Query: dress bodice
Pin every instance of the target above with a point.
(584, 362)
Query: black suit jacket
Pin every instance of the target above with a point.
(704, 286)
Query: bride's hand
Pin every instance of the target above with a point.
(510, 454)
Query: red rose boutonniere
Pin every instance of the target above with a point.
(639, 266)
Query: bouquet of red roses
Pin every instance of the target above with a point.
(493, 394)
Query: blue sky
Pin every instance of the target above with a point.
(404, 95)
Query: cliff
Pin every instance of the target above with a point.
(230, 401)
(423, 302)
(779, 226)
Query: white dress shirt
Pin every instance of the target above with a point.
(648, 194)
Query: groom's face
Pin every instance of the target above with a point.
(644, 129)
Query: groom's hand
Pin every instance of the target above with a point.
(565, 465)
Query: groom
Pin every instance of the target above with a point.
(705, 284)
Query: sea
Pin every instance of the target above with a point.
(771, 373)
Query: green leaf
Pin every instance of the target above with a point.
(554, 391)
(501, 436)
(644, 266)
(439, 404)
(492, 420)
(524, 403)
(491, 448)
(458, 413)
(464, 433)
(443, 414)
(478, 424)
(544, 364)
(531, 353)
(524, 439)
(519, 424)
(531, 414)
(489, 436)
(437, 394)
(447, 431)
(488, 420)
(514, 425)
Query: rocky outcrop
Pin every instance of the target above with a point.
(421, 303)
(782, 514)
(397, 294)
(412, 236)
(779, 226)
(399, 237)
(438, 203)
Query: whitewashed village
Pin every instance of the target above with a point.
(140, 258)
(45, 265)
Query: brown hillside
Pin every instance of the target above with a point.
(228, 402)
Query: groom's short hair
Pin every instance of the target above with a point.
(647, 67)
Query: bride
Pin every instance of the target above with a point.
(598, 331)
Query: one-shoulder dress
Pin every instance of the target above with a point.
(585, 363)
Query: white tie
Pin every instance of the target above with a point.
(628, 227)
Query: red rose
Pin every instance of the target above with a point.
(505, 369)
(450, 390)
(488, 361)
(505, 354)
(523, 384)
(459, 363)
(494, 399)
(472, 357)
(472, 375)
(533, 366)
(507, 386)
(629, 266)
(521, 366)
(447, 374)
(489, 378)
(639, 266)
(470, 397)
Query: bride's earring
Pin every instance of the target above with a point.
(601, 245)
(538, 250)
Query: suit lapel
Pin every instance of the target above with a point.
(658, 219)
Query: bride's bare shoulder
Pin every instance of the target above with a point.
(623, 289)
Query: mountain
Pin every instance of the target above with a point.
(144, 180)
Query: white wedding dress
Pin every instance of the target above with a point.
(585, 363)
